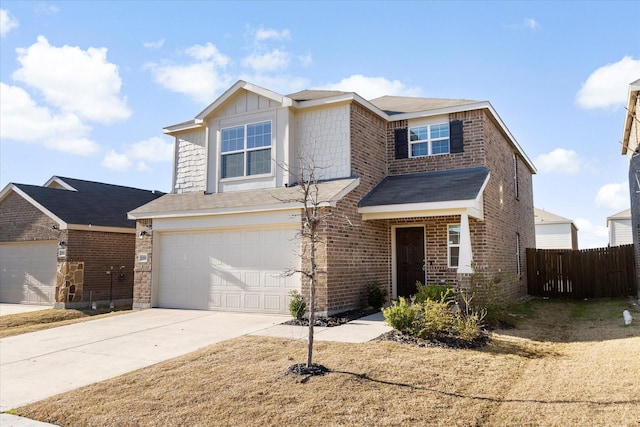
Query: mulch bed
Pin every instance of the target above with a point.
(335, 320)
(438, 340)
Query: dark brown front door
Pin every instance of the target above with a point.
(409, 259)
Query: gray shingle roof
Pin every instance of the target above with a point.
(404, 104)
(93, 203)
(310, 95)
(427, 187)
(268, 198)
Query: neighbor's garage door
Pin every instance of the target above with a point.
(231, 270)
(28, 272)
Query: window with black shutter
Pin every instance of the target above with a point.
(402, 143)
(457, 140)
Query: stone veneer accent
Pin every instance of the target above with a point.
(142, 270)
(69, 281)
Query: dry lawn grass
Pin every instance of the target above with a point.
(567, 364)
(21, 323)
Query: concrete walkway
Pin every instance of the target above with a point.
(40, 364)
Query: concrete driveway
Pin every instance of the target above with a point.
(6, 308)
(40, 364)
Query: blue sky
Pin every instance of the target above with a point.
(86, 87)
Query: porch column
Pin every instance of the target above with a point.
(464, 261)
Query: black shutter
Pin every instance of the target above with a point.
(402, 144)
(456, 141)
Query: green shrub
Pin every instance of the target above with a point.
(400, 315)
(489, 296)
(433, 317)
(297, 304)
(376, 296)
(439, 293)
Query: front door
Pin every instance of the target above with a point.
(409, 259)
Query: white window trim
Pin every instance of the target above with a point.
(245, 150)
(518, 257)
(516, 188)
(429, 141)
(450, 245)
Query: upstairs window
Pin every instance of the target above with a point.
(516, 190)
(246, 150)
(429, 140)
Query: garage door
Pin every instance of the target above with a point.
(28, 272)
(231, 270)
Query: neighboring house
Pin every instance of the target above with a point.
(68, 243)
(554, 231)
(413, 188)
(631, 149)
(619, 226)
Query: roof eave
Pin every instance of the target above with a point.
(14, 188)
(346, 97)
(241, 84)
(628, 120)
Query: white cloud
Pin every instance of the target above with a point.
(373, 87)
(566, 162)
(531, 23)
(7, 22)
(141, 153)
(23, 120)
(116, 161)
(591, 235)
(607, 87)
(154, 44)
(263, 34)
(276, 60)
(614, 196)
(305, 60)
(76, 81)
(200, 80)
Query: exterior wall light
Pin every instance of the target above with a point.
(143, 233)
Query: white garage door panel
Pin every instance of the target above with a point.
(28, 272)
(231, 270)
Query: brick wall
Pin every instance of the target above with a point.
(634, 168)
(20, 221)
(505, 214)
(142, 279)
(100, 251)
(358, 249)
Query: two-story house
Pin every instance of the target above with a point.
(414, 189)
(631, 149)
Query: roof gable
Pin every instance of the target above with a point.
(78, 202)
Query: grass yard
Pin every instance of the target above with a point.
(566, 364)
(21, 323)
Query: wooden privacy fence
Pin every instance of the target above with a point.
(589, 273)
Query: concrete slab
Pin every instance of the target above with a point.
(8, 420)
(357, 331)
(41, 364)
(6, 308)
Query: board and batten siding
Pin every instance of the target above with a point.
(553, 236)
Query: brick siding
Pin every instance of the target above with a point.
(20, 221)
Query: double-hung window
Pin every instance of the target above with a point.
(453, 244)
(429, 140)
(246, 150)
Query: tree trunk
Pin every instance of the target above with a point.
(312, 298)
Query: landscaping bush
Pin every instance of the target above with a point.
(433, 317)
(376, 296)
(401, 316)
(297, 304)
(439, 293)
(489, 296)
